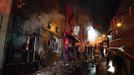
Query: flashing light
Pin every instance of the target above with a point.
(92, 34)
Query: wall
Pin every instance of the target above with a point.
(124, 34)
(5, 6)
(2, 36)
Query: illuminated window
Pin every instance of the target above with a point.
(76, 30)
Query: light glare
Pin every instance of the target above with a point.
(103, 35)
(92, 34)
(119, 24)
(111, 68)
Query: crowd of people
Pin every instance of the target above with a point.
(89, 52)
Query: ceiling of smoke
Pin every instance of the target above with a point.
(97, 12)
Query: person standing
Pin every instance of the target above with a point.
(101, 48)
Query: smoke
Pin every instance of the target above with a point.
(53, 16)
(84, 20)
(32, 24)
(37, 21)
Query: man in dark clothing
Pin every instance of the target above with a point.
(78, 52)
(101, 48)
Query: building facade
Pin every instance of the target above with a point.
(122, 27)
(5, 6)
(28, 32)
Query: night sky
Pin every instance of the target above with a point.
(101, 11)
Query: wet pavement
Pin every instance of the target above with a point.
(77, 68)
(95, 65)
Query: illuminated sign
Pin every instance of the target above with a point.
(76, 30)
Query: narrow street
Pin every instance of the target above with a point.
(79, 68)
(66, 37)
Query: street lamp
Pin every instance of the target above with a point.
(103, 35)
(119, 24)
